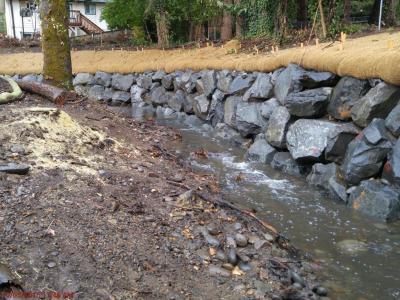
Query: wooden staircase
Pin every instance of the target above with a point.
(77, 19)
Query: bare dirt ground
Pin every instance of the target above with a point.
(108, 212)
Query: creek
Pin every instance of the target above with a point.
(360, 256)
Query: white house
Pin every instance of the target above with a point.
(22, 17)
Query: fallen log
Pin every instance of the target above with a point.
(16, 93)
(55, 94)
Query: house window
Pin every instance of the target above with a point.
(90, 8)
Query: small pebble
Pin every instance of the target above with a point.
(320, 291)
(230, 242)
(232, 256)
(220, 255)
(237, 226)
(244, 266)
(296, 278)
(241, 240)
(213, 229)
(228, 266)
(51, 264)
(297, 286)
(218, 271)
(268, 237)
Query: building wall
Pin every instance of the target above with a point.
(94, 18)
(2, 17)
(32, 24)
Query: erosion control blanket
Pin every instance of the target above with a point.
(373, 56)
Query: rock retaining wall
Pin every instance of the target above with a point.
(340, 132)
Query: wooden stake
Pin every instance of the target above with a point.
(323, 24)
(317, 42)
(302, 45)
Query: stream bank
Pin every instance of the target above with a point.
(105, 211)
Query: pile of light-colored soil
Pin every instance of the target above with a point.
(51, 138)
(373, 56)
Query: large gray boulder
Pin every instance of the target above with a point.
(137, 93)
(142, 111)
(177, 101)
(337, 189)
(168, 82)
(189, 102)
(226, 132)
(392, 121)
(248, 119)
(145, 81)
(338, 140)
(166, 113)
(224, 79)
(391, 170)
(186, 81)
(278, 126)
(267, 108)
(288, 82)
(377, 103)
(347, 92)
(96, 93)
(122, 82)
(295, 79)
(216, 111)
(158, 76)
(260, 150)
(366, 153)
(103, 78)
(285, 163)
(309, 103)
(159, 96)
(261, 89)
(240, 84)
(207, 83)
(307, 139)
(120, 97)
(83, 79)
(230, 110)
(376, 199)
(201, 105)
(320, 174)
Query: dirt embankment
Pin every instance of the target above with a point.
(106, 212)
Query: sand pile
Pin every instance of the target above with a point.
(51, 139)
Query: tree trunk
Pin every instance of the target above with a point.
(347, 12)
(162, 29)
(374, 15)
(391, 12)
(281, 22)
(226, 29)
(57, 65)
(302, 14)
(239, 23)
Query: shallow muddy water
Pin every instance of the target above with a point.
(361, 256)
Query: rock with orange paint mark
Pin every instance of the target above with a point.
(376, 199)
(347, 92)
(391, 170)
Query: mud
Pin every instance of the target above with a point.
(106, 212)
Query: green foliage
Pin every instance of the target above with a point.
(124, 14)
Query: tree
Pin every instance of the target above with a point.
(302, 14)
(347, 12)
(391, 12)
(226, 29)
(57, 65)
